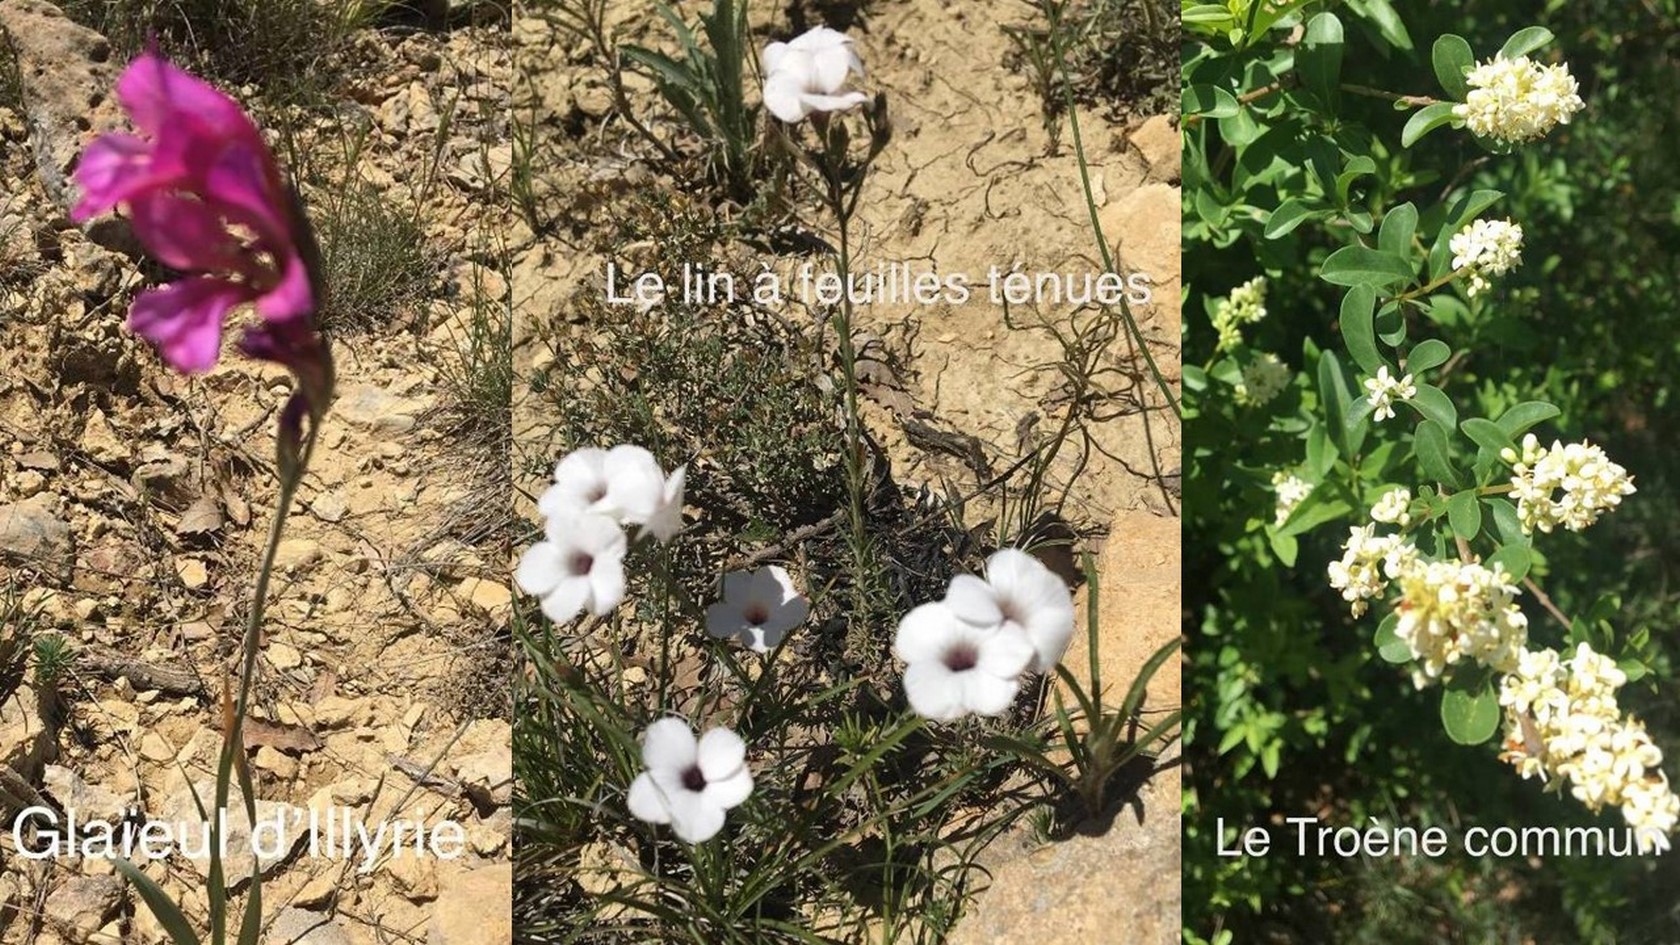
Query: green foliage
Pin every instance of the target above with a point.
(1333, 165)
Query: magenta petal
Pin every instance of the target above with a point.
(164, 100)
(183, 233)
(184, 319)
(244, 184)
(293, 298)
(112, 169)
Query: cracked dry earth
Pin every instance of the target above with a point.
(968, 182)
(134, 502)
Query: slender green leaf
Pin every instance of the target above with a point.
(1359, 265)
(164, 909)
(1289, 215)
(1358, 321)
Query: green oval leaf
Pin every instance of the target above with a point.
(1398, 227)
(1211, 101)
(1451, 58)
(1429, 353)
(1434, 455)
(1525, 41)
(1514, 559)
(1507, 522)
(1389, 645)
(1319, 60)
(1359, 265)
(1289, 215)
(1486, 433)
(1464, 514)
(1517, 421)
(1434, 404)
(1359, 327)
(1425, 120)
(1470, 716)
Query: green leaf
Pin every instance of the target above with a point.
(1430, 353)
(1319, 59)
(1205, 13)
(1434, 404)
(1470, 716)
(1388, 22)
(1425, 120)
(1289, 215)
(1433, 453)
(1284, 546)
(1484, 432)
(1451, 58)
(1398, 227)
(1516, 421)
(1507, 522)
(1525, 41)
(1358, 321)
(1209, 100)
(1464, 514)
(1355, 168)
(164, 909)
(1514, 559)
(1389, 645)
(1321, 453)
(1359, 265)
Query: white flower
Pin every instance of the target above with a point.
(1263, 380)
(624, 484)
(1590, 483)
(955, 667)
(1394, 508)
(1246, 305)
(1484, 248)
(1019, 595)
(1517, 100)
(758, 608)
(689, 784)
(809, 75)
(579, 566)
(1367, 562)
(1456, 610)
(1291, 491)
(1385, 389)
(666, 519)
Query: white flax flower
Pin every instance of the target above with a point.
(1385, 389)
(1486, 248)
(1517, 100)
(578, 566)
(758, 608)
(624, 484)
(809, 74)
(954, 667)
(1019, 595)
(689, 783)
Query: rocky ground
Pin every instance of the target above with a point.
(970, 180)
(133, 505)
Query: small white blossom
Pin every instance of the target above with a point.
(689, 784)
(1368, 562)
(1486, 248)
(758, 608)
(955, 667)
(1263, 380)
(1385, 389)
(1291, 491)
(578, 566)
(1246, 305)
(1022, 596)
(1394, 508)
(809, 74)
(1589, 482)
(1517, 100)
(1458, 610)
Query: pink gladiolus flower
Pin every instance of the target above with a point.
(197, 168)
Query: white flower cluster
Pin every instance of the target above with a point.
(1517, 100)
(1385, 389)
(1369, 562)
(1394, 508)
(1263, 380)
(1291, 491)
(1589, 481)
(579, 564)
(1456, 610)
(1246, 305)
(1562, 721)
(1486, 248)
(967, 653)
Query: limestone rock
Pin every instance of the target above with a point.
(1157, 139)
(467, 910)
(302, 927)
(280, 828)
(33, 535)
(83, 905)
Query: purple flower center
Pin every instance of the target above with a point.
(694, 779)
(580, 563)
(756, 614)
(596, 493)
(962, 657)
